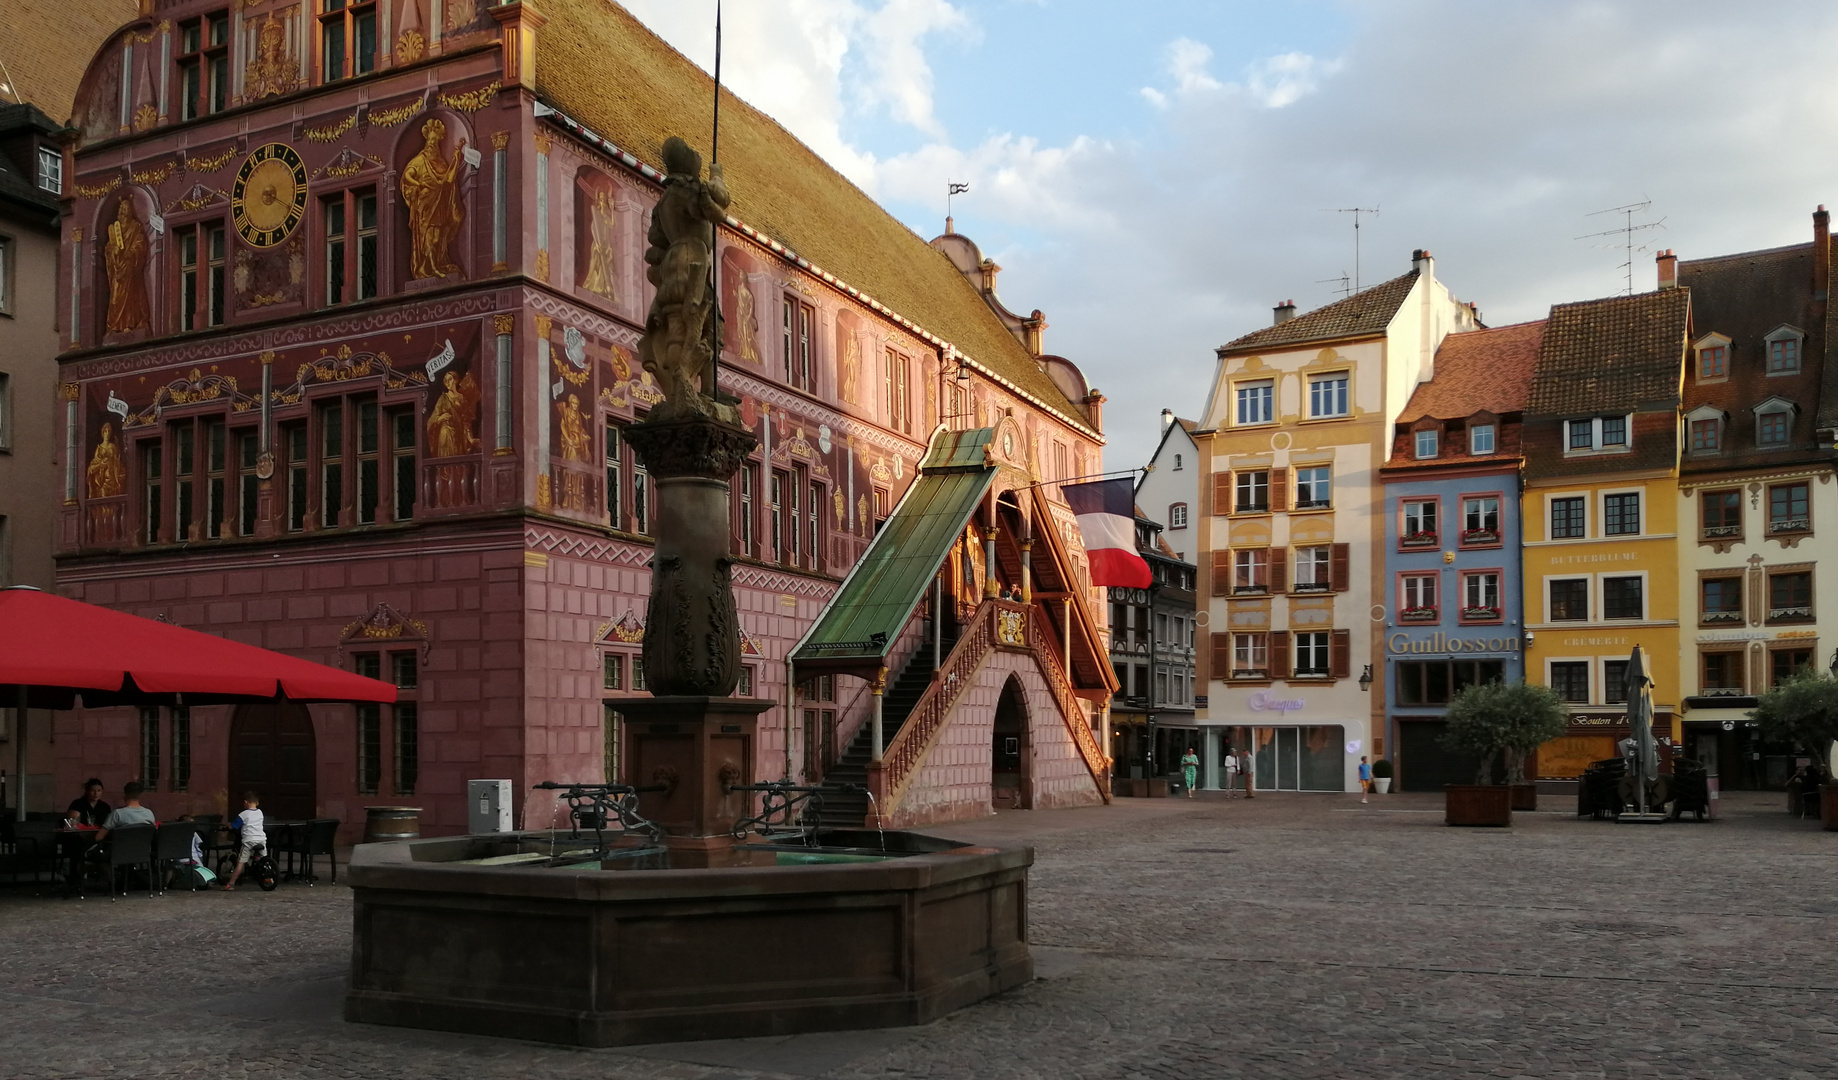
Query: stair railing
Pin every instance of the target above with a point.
(901, 760)
(1047, 656)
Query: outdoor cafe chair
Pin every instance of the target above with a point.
(172, 844)
(318, 837)
(128, 846)
(285, 838)
(34, 848)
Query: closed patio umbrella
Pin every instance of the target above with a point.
(52, 649)
(1640, 718)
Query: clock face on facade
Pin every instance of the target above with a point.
(269, 197)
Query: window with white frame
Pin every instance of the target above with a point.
(51, 170)
(1480, 595)
(1251, 570)
(1313, 573)
(1480, 519)
(1177, 516)
(1419, 524)
(1597, 433)
(1256, 402)
(1480, 439)
(1327, 395)
(1311, 653)
(1250, 656)
(1253, 491)
(1621, 514)
(1312, 487)
(1418, 599)
(1426, 444)
(1624, 597)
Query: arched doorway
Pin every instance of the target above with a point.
(273, 753)
(1011, 785)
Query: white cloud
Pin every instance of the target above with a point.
(1486, 132)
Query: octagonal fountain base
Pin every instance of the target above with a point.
(494, 935)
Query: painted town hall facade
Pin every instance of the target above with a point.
(350, 302)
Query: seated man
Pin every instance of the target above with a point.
(88, 809)
(133, 813)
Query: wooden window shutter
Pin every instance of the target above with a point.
(1222, 573)
(1279, 654)
(1279, 569)
(1222, 656)
(1222, 493)
(1340, 568)
(1279, 489)
(1340, 654)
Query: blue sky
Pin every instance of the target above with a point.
(1152, 175)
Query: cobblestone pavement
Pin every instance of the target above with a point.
(1296, 936)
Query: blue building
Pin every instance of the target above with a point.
(1452, 603)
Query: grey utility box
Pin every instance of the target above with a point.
(488, 806)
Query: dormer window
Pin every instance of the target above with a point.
(1600, 433)
(1704, 425)
(1713, 352)
(50, 170)
(1480, 439)
(1426, 444)
(1782, 348)
(1774, 423)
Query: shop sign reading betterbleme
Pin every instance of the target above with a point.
(1448, 643)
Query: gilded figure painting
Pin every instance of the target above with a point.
(455, 417)
(108, 477)
(602, 221)
(746, 320)
(430, 190)
(124, 259)
(576, 445)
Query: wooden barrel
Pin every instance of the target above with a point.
(385, 823)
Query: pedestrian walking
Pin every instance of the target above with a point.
(1244, 769)
(1190, 770)
(1365, 779)
(1231, 773)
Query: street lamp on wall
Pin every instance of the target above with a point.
(1365, 679)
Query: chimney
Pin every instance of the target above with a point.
(1167, 420)
(1033, 332)
(1821, 254)
(1423, 262)
(1094, 409)
(1284, 312)
(1668, 269)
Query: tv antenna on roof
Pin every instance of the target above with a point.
(1355, 211)
(1626, 232)
(1343, 283)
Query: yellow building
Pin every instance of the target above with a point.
(1600, 512)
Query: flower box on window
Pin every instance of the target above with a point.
(1418, 614)
(1480, 613)
(1419, 539)
(1480, 536)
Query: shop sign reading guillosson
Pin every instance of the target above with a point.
(1445, 643)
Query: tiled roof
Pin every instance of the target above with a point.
(1368, 311)
(1619, 353)
(598, 64)
(1480, 371)
(49, 43)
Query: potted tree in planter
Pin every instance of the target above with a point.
(1497, 722)
(1381, 776)
(1803, 711)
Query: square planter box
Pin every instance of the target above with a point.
(1477, 804)
(1525, 796)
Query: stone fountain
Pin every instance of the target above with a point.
(674, 929)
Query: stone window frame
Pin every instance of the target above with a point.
(1706, 414)
(1310, 379)
(1550, 514)
(1775, 406)
(1421, 613)
(1810, 646)
(1769, 573)
(1601, 597)
(1499, 527)
(1783, 333)
(1703, 345)
(1640, 510)
(1795, 527)
(1434, 536)
(1239, 386)
(1587, 663)
(1741, 688)
(1727, 573)
(1499, 588)
(1550, 607)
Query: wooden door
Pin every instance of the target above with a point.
(273, 753)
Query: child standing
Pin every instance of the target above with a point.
(253, 837)
(1365, 780)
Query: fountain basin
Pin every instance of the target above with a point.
(606, 957)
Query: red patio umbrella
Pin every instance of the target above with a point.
(52, 649)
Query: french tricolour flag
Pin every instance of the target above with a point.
(1107, 524)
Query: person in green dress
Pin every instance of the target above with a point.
(1190, 769)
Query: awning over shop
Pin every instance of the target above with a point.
(54, 649)
(857, 630)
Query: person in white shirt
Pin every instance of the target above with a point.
(1231, 773)
(253, 836)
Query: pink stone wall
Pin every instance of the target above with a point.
(954, 782)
